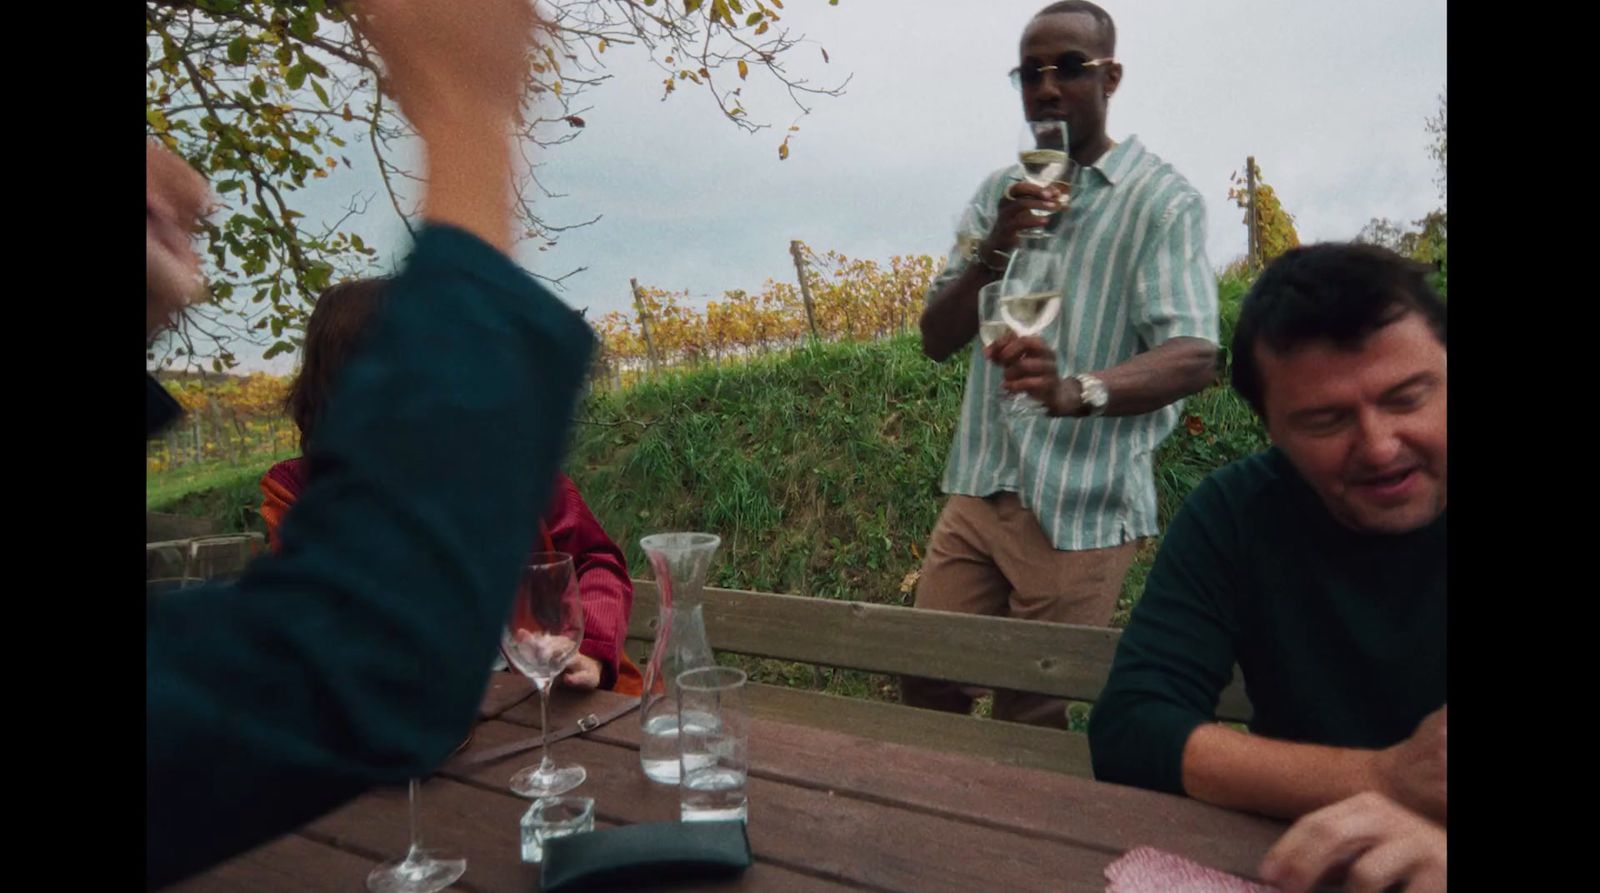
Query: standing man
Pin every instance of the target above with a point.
(1045, 513)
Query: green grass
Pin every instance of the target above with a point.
(820, 471)
(221, 489)
(171, 485)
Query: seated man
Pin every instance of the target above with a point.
(337, 327)
(1318, 566)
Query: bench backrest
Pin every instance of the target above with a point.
(1065, 661)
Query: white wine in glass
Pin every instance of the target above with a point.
(1030, 312)
(1041, 167)
(1030, 300)
(990, 330)
(990, 323)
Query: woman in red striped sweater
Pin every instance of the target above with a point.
(333, 332)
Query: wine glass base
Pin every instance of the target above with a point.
(421, 871)
(532, 783)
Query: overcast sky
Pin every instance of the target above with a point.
(1331, 99)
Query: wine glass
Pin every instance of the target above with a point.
(991, 325)
(1042, 148)
(421, 871)
(540, 640)
(1030, 300)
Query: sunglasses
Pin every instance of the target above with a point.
(1068, 67)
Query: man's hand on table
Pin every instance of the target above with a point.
(1368, 841)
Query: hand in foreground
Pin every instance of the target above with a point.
(1368, 841)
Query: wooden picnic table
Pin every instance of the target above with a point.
(828, 812)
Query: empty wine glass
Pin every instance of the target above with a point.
(421, 871)
(541, 639)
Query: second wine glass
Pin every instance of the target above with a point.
(541, 639)
(422, 870)
(1030, 300)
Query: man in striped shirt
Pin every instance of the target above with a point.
(1045, 512)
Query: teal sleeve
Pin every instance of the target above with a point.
(357, 655)
(1175, 656)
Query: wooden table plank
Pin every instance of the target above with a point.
(288, 863)
(829, 812)
(1035, 803)
(505, 690)
(874, 844)
(1032, 802)
(567, 707)
(482, 825)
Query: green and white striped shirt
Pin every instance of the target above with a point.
(1134, 240)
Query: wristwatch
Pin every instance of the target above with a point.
(975, 254)
(1095, 396)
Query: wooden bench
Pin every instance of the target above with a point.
(167, 561)
(1070, 662)
(160, 527)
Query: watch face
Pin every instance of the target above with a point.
(1094, 392)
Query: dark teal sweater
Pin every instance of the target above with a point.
(357, 655)
(1340, 635)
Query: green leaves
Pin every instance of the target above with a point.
(244, 91)
(303, 26)
(278, 347)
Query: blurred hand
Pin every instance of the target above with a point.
(1030, 368)
(175, 197)
(449, 63)
(583, 673)
(1368, 841)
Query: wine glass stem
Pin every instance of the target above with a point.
(545, 763)
(416, 840)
